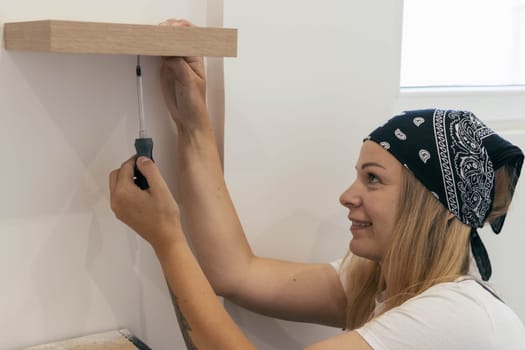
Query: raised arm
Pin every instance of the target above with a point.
(293, 291)
(155, 216)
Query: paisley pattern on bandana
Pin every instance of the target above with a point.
(469, 173)
(444, 150)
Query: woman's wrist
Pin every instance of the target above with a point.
(168, 248)
(192, 124)
(169, 238)
(197, 142)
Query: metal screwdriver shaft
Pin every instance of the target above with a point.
(143, 144)
(140, 98)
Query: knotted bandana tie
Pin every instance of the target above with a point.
(454, 155)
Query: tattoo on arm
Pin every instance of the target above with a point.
(183, 323)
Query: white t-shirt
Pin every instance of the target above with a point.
(457, 315)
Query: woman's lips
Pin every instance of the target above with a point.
(359, 225)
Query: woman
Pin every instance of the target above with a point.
(425, 181)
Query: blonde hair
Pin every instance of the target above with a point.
(502, 193)
(428, 247)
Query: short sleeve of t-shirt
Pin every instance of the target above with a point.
(452, 316)
(340, 267)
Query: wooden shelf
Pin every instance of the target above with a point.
(119, 39)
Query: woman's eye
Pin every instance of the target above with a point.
(372, 179)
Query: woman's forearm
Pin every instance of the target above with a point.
(202, 319)
(210, 218)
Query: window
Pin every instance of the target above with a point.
(465, 54)
(463, 43)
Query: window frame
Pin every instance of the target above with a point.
(502, 107)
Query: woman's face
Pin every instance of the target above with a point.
(373, 201)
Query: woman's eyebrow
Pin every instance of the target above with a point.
(371, 164)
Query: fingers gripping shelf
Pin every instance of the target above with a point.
(120, 39)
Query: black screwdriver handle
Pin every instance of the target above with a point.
(144, 148)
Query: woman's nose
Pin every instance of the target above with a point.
(350, 198)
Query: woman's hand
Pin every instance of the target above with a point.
(152, 213)
(183, 82)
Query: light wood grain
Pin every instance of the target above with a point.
(123, 39)
(114, 340)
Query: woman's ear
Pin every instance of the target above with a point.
(450, 216)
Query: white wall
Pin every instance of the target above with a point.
(311, 80)
(67, 266)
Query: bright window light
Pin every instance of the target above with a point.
(463, 43)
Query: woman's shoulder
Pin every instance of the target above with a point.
(454, 315)
(465, 289)
(465, 297)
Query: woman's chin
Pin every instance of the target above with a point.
(363, 250)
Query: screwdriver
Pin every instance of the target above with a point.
(143, 144)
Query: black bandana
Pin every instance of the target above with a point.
(455, 156)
